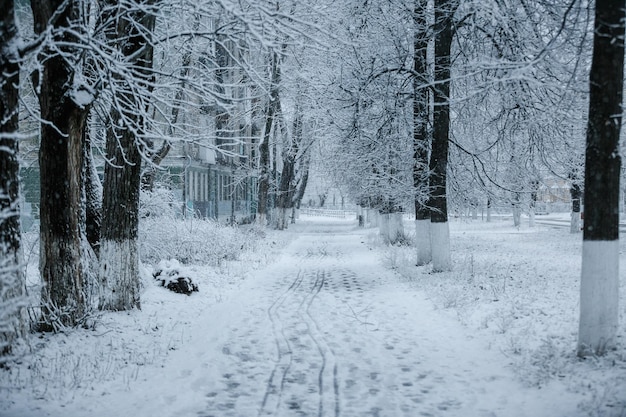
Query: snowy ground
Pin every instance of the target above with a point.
(339, 325)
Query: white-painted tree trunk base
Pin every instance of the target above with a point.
(574, 222)
(119, 275)
(599, 297)
(383, 227)
(92, 269)
(396, 228)
(517, 217)
(488, 214)
(374, 217)
(422, 242)
(440, 246)
(281, 219)
(13, 315)
(531, 219)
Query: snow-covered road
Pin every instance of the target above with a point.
(326, 330)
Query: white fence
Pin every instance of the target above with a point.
(339, 214)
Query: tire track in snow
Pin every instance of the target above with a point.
(276, 383)
(293, 324)
(329, 364)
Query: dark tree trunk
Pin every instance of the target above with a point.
(93, 195)
(287, 186)
(11, 276)
(264, 147)
(61, 169)
(440, 234)
(576, 197)
(285, 190)
(119, 259)
(602, 159)
(444, 11)
(421, 139)
(303, 181)
(599, 289)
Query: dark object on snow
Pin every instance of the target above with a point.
(170, 278)
(182, 285)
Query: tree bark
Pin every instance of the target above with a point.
(576, 196)
(421, 140)
(533, 204)
(599, 288)
(64, 298)
(12, 323)
(264, 147)
(119, 259)
(287, 186)
(517, 211)
(440, 234)
(93, 195)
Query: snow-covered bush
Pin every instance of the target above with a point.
(175, 277)
(159, 202)
(191, 241)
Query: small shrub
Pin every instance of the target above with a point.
(174, 277)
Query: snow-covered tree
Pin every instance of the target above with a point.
(11, 274)
(64, 100)
(373, 112)
(129, 30)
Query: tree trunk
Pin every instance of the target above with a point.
(440, 232)
(264, 147)
(287, 187)
(12, 321)
(93, 195)
(64, 301)
(119, 259)
(576, 194)
(383, 226)
(285, 190)
(421, 141)
(517, 211)
(599, 287)
(533, 204)
(396, 227)
(301, 186)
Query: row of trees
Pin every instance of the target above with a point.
(494, 94)
(413, 103)
(133, 79)
(517, 95)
